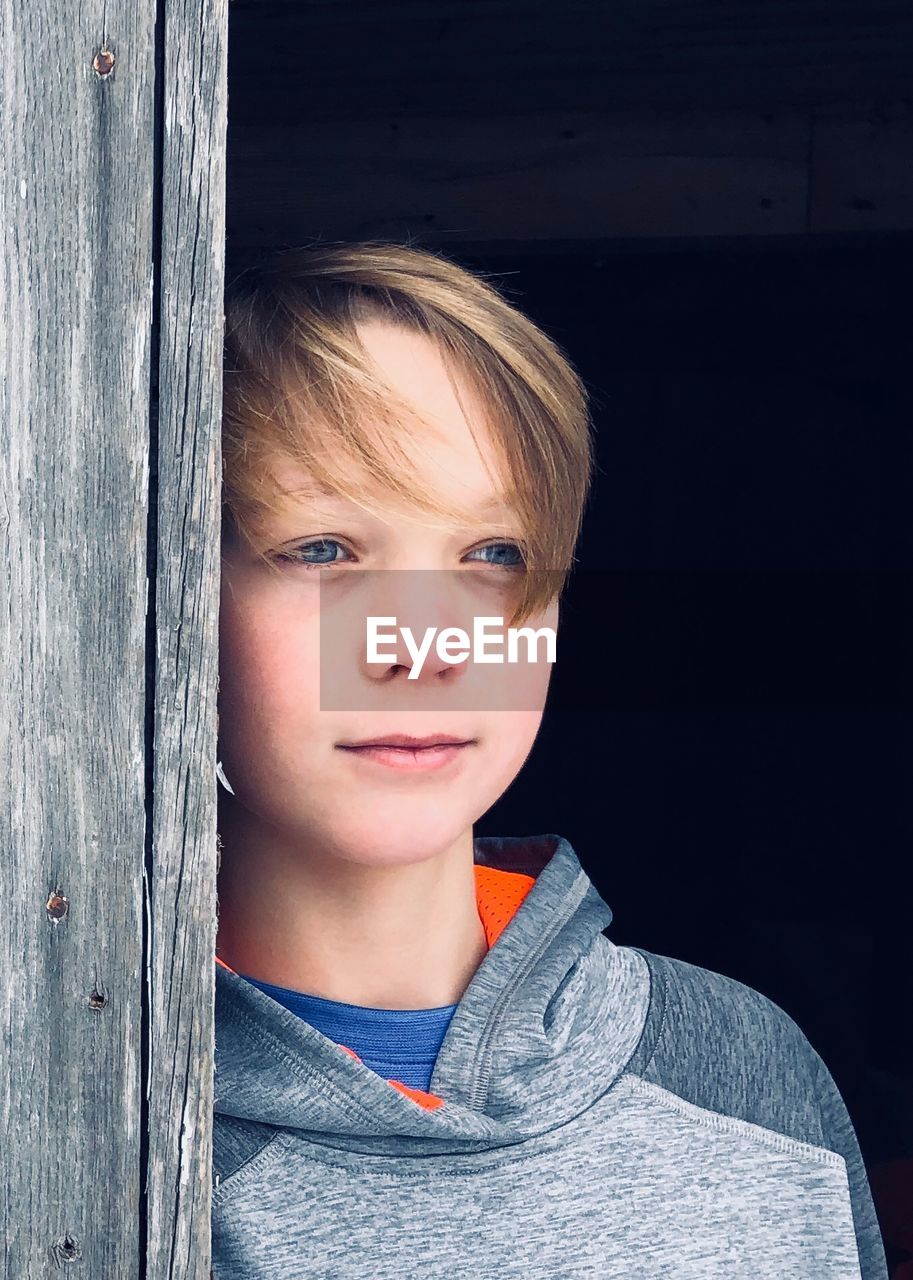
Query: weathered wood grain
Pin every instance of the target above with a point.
(75, 284)
(94, 1007)
(183, 886)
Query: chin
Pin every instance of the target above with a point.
(397, 834)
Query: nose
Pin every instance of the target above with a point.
(422, 603)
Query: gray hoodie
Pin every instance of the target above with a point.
(597, 1110)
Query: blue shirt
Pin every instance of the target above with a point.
(399, 1044)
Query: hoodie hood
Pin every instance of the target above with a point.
(549, 1019)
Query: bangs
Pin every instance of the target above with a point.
(299, 386)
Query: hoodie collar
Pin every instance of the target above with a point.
(548, 1020)
(499, 893)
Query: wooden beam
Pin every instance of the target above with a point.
(305, 60)
(566, 175)
(187, 570)
(862, 168)
(574, 176)
(76, 134)
(112, 221)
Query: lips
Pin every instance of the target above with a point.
(409, 742)
(400, 752)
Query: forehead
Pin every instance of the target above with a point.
(450, 445)
(445, 399)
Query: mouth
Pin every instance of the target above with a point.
(410, 742)
(400, 751)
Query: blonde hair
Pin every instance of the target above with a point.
(298, 383)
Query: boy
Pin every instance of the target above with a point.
(431, 1060)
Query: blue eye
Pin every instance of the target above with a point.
(323, 551)
(298, 554)
(499, 548)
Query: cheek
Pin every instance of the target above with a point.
(512, 736)
(267, 663)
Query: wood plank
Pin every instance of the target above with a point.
(183, 889)
(532, 177)
(302, 61)
(862, 167)
(76, 212)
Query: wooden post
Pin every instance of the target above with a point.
(112, 131)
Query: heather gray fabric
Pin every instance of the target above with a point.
(608, 1112)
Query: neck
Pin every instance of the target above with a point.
(385, 936)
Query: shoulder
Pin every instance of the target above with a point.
(725, 1047)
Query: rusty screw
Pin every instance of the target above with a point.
(103, 63)
(98, 999)
(57, 906)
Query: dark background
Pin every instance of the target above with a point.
(739, 625)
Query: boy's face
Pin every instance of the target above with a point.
(279, 748)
